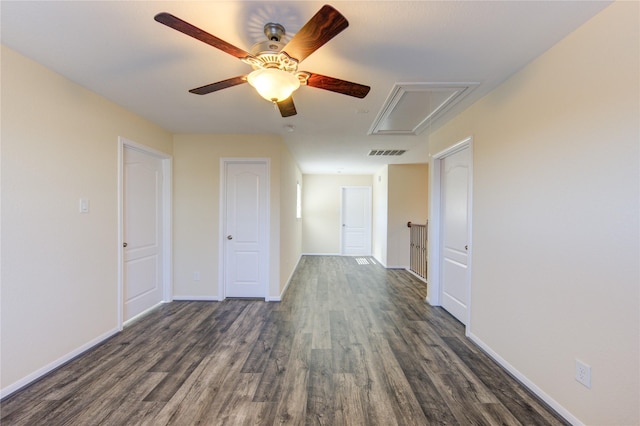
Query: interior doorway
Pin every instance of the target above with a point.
(355, 220)
(451, 218)
(145, 229)
(245, 228)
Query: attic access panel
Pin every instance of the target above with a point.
(411, 107)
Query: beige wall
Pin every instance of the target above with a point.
(380, 214)
(399, 196)
(555, 225)
(408, 202)
(197, 215)
(555, 218)
(321, 210)
(59, 267)
(290, 226)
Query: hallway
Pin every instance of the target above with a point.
(351, 343)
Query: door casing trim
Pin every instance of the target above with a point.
(434, 287)
(221, 223)
(167, 248)
(369, 218)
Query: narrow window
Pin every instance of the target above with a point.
(298, 201)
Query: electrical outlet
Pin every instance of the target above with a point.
(196, 276)
(583, 373)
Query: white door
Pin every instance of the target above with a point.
(454, 182)
(356, 221)
(246, 229)
(143, 255)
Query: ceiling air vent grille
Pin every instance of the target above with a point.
(378, 152)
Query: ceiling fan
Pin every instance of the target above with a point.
(275, 65)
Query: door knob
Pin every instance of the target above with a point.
(466, 247)
(229, 237)
(124, 244)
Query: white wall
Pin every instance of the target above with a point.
(197, 216)
(59, 267)
(555, 218)
(321, 210)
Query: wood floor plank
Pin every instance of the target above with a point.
(171, 382)
(342, 355)
(474, 389)
(433, 404)
(348, 405)
(350, 344)
(233, 388)
(512, 396)
(237, 406)
(176, 350)
(275, 368)
(198, 392)
(321, 333)
(33, 416)
(261, 351)
(376, 400)
(130, 413)
(405, 405)
(320, 390)
(86, 396)
(292, 401)
(498, 414)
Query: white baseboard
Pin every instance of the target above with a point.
(197, 298)
(525, 381)
(321, 254)
(55, 364)
(142, 314)
(379, 261)
(415, 275)
(284, 290)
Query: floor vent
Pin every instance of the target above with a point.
(376, 152)
(365, 261)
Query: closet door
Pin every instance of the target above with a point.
(454, 206)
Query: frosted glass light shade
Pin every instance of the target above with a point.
(273, 84)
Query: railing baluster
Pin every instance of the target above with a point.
(418, 249)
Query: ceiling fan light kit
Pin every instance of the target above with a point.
(273, 84)
(275, 73)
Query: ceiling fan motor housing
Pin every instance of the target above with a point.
(267, 47)
(268, 54)
(270, 47)
(274, 32)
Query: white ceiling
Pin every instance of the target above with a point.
(117, 50)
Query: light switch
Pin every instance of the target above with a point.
(84, 205)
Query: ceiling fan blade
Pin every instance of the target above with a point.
(337, 85)
(287, 107)
(213, 87)
(186, 28)
(322, 27)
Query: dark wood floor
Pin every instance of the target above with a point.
(350, 344)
